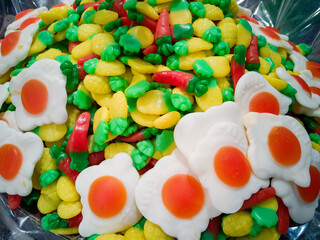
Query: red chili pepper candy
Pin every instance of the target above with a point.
(14, 201)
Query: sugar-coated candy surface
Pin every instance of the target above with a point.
(160, 119)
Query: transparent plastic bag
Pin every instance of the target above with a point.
(299, 19)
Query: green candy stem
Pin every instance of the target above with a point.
(81, 100)
(48, 177)
(212, 34)
(202, 68)
(146, 147)
(79, 160)
(264, 216)
(164, 140)
(139, 160)
(118, 125)
(178, 5)
(138, 89)
(101, 133)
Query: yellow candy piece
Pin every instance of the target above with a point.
(111, 237)
(264, 66)
(211, 98)
(201, 25)
(66, 190)
(112, 68)
(6, 77)
(86, 30)
(81, 50)
(54, 14)
(186, 61)
(213, 12)
(142, 34)
(65, 231)
(198, 44)
(97, 84)
(134, 233)
(271, 203)
(147, 10)
(49, 199)
(228, 31)
(154, 232)
(37, 46)
(268, 233)
(52, 53)
(157, 154)
(152, 102)
(164, 5)
(45, 163)
(115, 148)
(73, 114)
(102, 114)
(169, 150)
(219, 65)
(237, 224)
(243, 36)
(35, 180)
(102, 99)
(60, 36)
(145, 120)
(141, 66)
(52, 132)
(161, 68)
(267, 52)
(101, 41)
(167, 120)
(277, 83)
(180, 17)
(283, 52)
(118, 107)
(67, 210)
(223, 83)
(103, 17)
(234, 8)
(315, 146)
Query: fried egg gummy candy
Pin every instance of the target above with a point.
(159, 119)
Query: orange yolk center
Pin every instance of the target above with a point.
(183, 196)
(9, 43)
(23, 13)
(34, 96)
(314, 67)
(28, 22)
(284, 146)
(270, 33)
(10, 161)
(264, 102)
(232, 167)
(107, 196)
(303, 84)
(309, 194)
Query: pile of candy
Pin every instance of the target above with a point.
(160, 119)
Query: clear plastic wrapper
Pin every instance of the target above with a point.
(299, 19)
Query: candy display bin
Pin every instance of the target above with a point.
(299, 19)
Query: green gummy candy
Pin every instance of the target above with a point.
(264, 216)
(118, 83)
(177, 5)
(118, 125)
(221, 48)
(81, 100)
(61, 25)
(139, 160)
(101, 133)
(153, 58)
(79, 160)
(72, 34)
(138, 89)
(130, 43)
(141, 223)
(173, 62)
(111, 52)
(207, 236)
(197, 9)
(90, 65)
(183, 31)
(46, 37)
(146, 147)
(202, 68)
(53, 221)
(262, 41)
(132, 104)
(181, 48)
(164, 140)
(48, 177)
(212, 34)
(165, 49)
(228, 94)
(181, 102)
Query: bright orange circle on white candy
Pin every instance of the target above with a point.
(11, 159)
(264, 102)
(309, 194)
(183, 196)
(232, 167)
(284, 146)
(107, 196)
(9, 43)
(34, 96)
